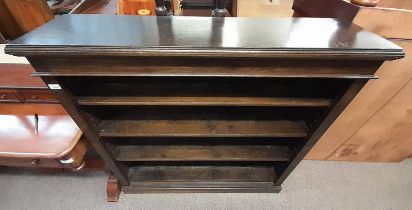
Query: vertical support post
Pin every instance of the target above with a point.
(326, 123)
(89, 126)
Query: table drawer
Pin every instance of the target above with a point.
(9, 96)
(31, 162)
(37, 96)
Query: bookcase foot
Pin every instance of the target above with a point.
(113, 189)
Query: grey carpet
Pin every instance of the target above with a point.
(313, 185)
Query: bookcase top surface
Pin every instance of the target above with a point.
(203, 36)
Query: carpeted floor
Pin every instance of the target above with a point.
(313, 185)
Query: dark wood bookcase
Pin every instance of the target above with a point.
(175, 104)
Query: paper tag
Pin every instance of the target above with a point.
(55, 86)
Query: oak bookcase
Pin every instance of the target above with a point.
(178, 104)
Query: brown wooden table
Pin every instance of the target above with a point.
(50, 141)
(35, 131)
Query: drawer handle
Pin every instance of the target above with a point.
(36, 124)
(3, 96)
(34, 97)
(35, 161)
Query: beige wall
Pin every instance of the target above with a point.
(264, 8)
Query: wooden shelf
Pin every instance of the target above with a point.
(202, 128)
(202, 153)
(204, 101)
(201, 179)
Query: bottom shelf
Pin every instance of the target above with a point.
(163, 179)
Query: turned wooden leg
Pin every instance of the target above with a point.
(113, 189)
(220, 9)
(75, 158)
(160, 9)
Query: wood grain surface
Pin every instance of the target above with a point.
(386, 136)
(106, 7)
(57, 133)
(132, 7)
(275, 62)
(19, 76)
(369, 101)
(205, 101)
(347, 138)
(193, 128)
(286, 38)
(202, 153)
(201, 179)
(24, 15)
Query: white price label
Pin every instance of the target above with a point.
(54, 86)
